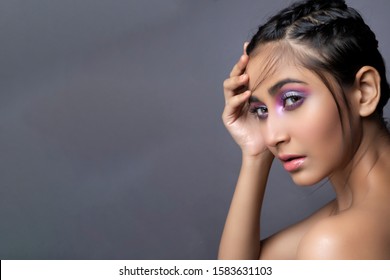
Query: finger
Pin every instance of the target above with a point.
(240, 66)
(236, 85)
(235, 82)
(245, 46)
(234, 105)
(237, 100)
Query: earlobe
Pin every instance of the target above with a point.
(368, 84)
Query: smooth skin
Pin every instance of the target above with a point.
(353, 226)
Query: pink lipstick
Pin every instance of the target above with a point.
(292, 162)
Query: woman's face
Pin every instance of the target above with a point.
(298, 118)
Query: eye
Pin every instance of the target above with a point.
(292, 100)
(261, 111)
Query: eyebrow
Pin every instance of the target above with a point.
(274, 89)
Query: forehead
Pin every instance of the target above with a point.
(274, 62)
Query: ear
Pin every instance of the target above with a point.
(367, 84)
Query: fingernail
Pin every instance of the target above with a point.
(245, 46)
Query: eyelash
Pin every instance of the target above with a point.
(295, 97)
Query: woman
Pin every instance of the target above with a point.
(309, 90)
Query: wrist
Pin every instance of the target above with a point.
(264, 159)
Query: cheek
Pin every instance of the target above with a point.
(319, 137)
(321, 130)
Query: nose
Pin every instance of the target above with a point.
(276, 131)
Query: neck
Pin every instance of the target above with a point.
(366, 169)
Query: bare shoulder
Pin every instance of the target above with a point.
(284, 244)
(360, 233)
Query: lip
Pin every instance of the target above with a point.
(292, 162)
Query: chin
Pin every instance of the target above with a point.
(305, 180)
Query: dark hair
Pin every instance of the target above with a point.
(341, 41)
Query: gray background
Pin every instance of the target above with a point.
(111, 140)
